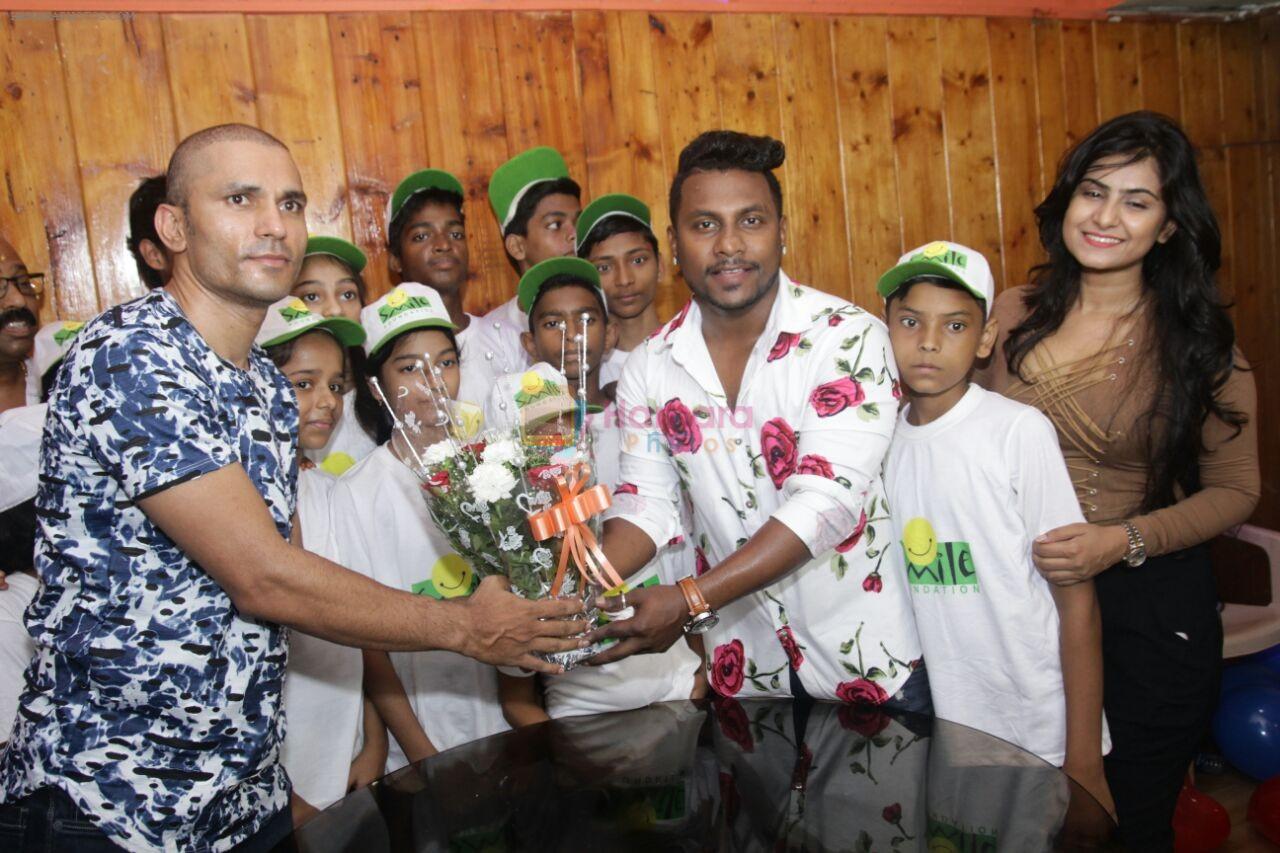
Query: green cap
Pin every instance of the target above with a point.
(346, 252)
(951, 261)
(427, 179)
(513, 179)
(536, 276)
(615, 204)
(290, 317)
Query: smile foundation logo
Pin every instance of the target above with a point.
(934, 566)
(399, 302)
(295, 310)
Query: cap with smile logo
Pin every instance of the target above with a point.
(289, 318)
(951, 261)
(407, 306)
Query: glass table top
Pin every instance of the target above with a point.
(729, 776)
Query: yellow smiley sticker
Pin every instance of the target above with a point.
(452, 576)
(297, 304)
(920, 543)
(397, 298)
(531, 382)
(934, 250)
(938, 844)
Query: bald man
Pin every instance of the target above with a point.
(19, 306)
(151, 717)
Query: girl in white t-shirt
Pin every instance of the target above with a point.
(333, 743)
(433, 700)
(330, 284)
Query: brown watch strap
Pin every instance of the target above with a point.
(693, 596)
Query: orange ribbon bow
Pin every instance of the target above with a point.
(569, 516)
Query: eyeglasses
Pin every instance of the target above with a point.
(28, 284)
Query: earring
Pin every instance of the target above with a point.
(784, 250)
(675, 262)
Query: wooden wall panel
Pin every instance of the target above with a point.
(293, 72)
(466, 134)
(375, 66)
(120, 139)
(210, 74)
(898, 129)
(43, 213)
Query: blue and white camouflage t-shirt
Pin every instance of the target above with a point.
(151, 700)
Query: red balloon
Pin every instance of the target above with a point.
(1264, 809)
(1200, 823)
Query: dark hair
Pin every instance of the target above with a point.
(936, 281)
(529, 202)
(361, 288)
(1194, 340)
(414, 203)
(612, 227)
(560, 282)
(18, 538)
(281, 353)
(142, 226)
(371, 414)
(727, 150)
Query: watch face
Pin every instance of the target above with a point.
(701, 623)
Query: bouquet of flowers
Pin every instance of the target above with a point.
(517, 499)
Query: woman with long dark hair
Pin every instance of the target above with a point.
(1122, 339)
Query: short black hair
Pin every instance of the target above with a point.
(936, 281)
(728, 150)
(528, 203)
(414, 203)
(560, 282)
(371, 414)
(612, 227)
(149, 195)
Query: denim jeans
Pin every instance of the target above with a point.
(48, 821)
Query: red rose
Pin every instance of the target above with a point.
(733, 723)
(700, 565)
(873, 583)
(626, 489)
(897, 390)
(832, 398)
(860, 691)
(863, 719)
(893, 813)
(786, 342)
(849, 544)
(438, 479)
(476, 448)
(778, 445)
(726, 668)
(835, 319)
(789, 645)
(812, 463)
(679, 426)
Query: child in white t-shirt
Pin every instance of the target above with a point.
(432, 700)
(567, 291)
(324, 702)
(973, 478)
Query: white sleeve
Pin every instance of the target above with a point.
(347, 535)
(648, 485)
(1046, 498)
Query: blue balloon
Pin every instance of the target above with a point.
(1248, 675)
(1247, 728)
(1270, 658)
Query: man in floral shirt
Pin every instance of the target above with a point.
(771, 405)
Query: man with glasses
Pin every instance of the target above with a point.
(19, 304)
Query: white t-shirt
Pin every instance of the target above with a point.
(323, 696)
(970, 492)
(16, 647)
(639, 680)
(494, 348)
(348, 444)
(381, 527)
(611, 370)
(474, 379)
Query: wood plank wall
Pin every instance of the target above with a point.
(899, 129)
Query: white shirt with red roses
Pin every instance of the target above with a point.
(804, 445)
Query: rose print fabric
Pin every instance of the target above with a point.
(804, 445)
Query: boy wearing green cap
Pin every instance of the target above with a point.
(427, 243)
(536, 204)
(615, 233)
(563, 299)
(973, 479)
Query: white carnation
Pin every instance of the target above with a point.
(438, 453)
(491, 481)
(504, 450)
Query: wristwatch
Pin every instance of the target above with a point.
(1137, 553)
(701, 616)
